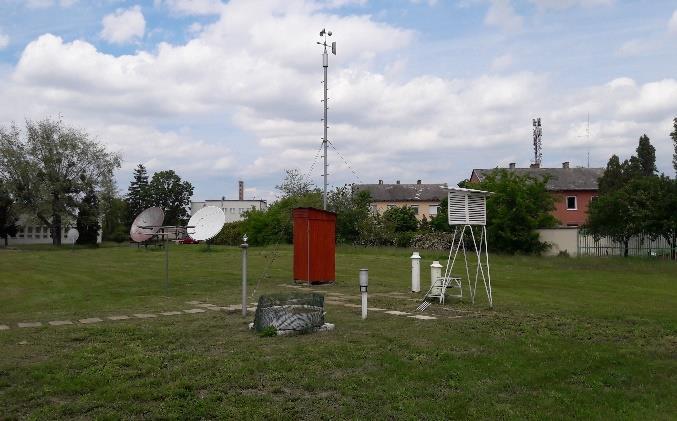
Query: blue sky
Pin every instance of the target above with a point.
(419, 89)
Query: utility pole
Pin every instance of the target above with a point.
(325, 64)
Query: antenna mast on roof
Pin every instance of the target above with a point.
(325, 63)
(538, 146)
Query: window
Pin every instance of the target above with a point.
(232, 210)
(415, 208)
(20, 232)
(241, 211)
(593, 198)
(29, 232)
(432, 210)
(571, 203)
(45, 232)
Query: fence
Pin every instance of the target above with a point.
(641, 245)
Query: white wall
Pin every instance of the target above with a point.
(562, 239)
(232, 208)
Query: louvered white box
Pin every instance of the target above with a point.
(467, 206)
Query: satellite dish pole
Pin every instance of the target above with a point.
(325, 63)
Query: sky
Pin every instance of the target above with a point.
(419, 89)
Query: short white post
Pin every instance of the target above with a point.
(415, 272)
(364, 282)
(435, 272)
(244, 247)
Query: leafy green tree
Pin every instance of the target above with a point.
(646, 155)
(87, 222)
(401, 219)
(168, 192)
(49, 166)
(296, 185)
(138, 193)
(518, 206)
(613, 177)
(656, 213)
(352, 210)
(673, 135)
(440, 222)
(8, 218)
(116, 225)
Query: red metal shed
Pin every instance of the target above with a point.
(314, 246)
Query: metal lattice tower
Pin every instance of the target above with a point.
(538, 145)
(325, 63)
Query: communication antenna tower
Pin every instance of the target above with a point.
(587, 140)
(325, 64)
(538, 145)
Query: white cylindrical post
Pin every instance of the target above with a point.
(415, 272)
(364, 282)
(435, 272)
(244, 246)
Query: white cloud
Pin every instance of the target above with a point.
(4, 41)
(635, 47)
(502, 62)
(42, 4)
(502, 15)
(123, 25)
(192, 7)
(565, 4)
(672, 24)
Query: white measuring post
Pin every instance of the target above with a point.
(415, 272)
(244, 246)
(435, 272)
(364, 283)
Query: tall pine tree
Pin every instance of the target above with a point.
(646, 155)
(138, 194)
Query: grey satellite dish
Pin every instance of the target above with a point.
(73, 235)
(147, 224)
(206, 223)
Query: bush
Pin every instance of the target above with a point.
(432, 241)
(230, 235)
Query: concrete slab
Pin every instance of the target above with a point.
(194, 310)
(352, 305)
(117, 317)
(376, 309)
(60, 322)
(4, 327)
(193, 303)
(423, 317)
(171, 313)
(91, 320)
(398, 313)
(29, 324)
(144, 315)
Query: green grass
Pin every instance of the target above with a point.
(568, 338)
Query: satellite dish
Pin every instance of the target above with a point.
(146, 224)
(206, 223)
(73, 235)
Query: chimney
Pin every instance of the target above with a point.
(397, 182)
(418, 181)
(535, 165)
(380, 181)
(241, 188)
(565, 164)
(511, 165)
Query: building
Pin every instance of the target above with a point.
(423, 198)
(31, 231)
(574, 188)
(234, 209)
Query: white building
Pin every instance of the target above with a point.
(234, 209)
(31, 231)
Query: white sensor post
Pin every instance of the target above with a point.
(364, 282)
(415, 272)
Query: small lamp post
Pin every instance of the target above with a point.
(364, 282)
(244, 247)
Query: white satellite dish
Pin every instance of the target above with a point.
(206, 223)
(73, 235)
(147, 224)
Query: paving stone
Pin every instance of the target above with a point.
(376, 309)
(193, 303)
(194, 310)
(251, 308)
(118, 317)
(171, 313)
(60, 322)
(4, 327)
(352, 305)
(397, 313)
(29, 324)
(338, 303)
(423, 317)
(91, 320)
(144, 315)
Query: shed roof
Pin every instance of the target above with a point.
(559, 178)
(404, 192)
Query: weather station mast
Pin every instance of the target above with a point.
(538, 145)
(325, 64)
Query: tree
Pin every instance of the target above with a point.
(613, 178)
(296, 185)
(440, 222)
(518, 206)
(138, 194)
(172, 195)
(673, 135)
(646, 155)
(8, 218)
(401, 219)
(87, 222)
(49, 166)
(352, 210)
(116, 224)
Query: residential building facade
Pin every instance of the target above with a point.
(574, 188)
(423, 198)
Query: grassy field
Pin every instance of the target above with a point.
(568, 338)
